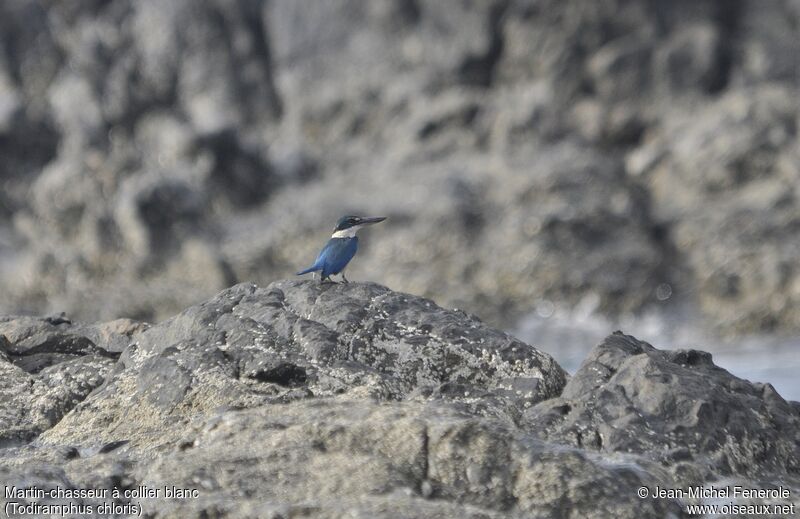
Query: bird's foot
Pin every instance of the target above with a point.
(344, 279)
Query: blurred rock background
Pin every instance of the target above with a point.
(621, 156)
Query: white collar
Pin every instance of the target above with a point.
(346, 233)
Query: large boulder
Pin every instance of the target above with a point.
(295, 340)
(675, 407)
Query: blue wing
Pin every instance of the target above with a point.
(336, 254)
(334, 257)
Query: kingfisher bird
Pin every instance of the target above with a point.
(340, 249)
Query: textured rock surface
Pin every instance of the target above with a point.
(143, 102)
(399, 459)
(354, 400)
(728, 180)
(532, 152)
(296, 340)
(49, 365)
(675, 407)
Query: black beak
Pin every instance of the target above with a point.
(370, 221)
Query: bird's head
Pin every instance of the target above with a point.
(347, 226)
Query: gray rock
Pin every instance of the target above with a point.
(690, 59)
(726, 178)
(293, 340)
(391, 454)
(255, 124)
(48, 369)
(161, 125)
(674, 407)
(619, 68)
(736, 142)
(767, 54)
(338, 456)
(573, 221)
(332, 400)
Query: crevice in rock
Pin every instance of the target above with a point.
(728, 17)
(598, 440)
(255, 23)
(479, 70)
(112, 446)
(564, 409)
(425, 481)
(284, 374)
(672, 268)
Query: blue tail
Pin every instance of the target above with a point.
(309, 269)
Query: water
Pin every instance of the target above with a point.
(568, 335)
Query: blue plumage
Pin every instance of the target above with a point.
(334, 257)
(340, 249)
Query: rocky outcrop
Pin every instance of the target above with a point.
(612, 155)
(149, 121)
(249, 347)
(726, 179)
(675, 407)
(331, 400)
